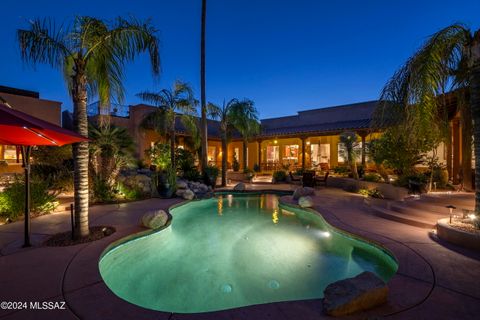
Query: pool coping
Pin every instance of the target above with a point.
(325, 215)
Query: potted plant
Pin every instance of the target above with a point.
(167, 182)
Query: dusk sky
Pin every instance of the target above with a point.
(285, 55)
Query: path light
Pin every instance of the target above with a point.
(450, 207)
(472, 217)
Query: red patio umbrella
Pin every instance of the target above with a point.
(20, 129)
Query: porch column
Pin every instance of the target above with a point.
(303, 152)
(456, 151)
(259, 146)
(449, 152)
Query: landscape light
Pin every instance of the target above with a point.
(472, 216)
(450, 208)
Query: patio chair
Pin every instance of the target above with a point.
(320, 180)
(308, 179)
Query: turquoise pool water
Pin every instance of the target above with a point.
(234, 251)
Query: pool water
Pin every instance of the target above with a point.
(233, 251)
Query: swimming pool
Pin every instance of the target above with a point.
(237, 250)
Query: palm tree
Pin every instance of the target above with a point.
(225, 116)
(349, 140)
(244, 118)
(203, 99)
(179, 102)
(449, 60)
(92, 54)
(111, 149)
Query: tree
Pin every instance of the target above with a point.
(349, 140)
(92, 54)
(203, 99)
(244, 118)
(449, 60)
(179, 102)
(225, 114)
(111, 149)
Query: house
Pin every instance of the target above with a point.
(30, 103)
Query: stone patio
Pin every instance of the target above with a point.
(434, 280)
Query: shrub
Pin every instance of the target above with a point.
(299, 172)
(374, 193)
(160, 155)
(256, 167)
(341, 170)
(57, 177)
(12, 199)
(372, 177)
(131, 193)
(210, 175)
(418, 178)
(102, 191)
(440, 176)
(279, 176)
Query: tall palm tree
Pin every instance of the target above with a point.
(92, 54)
(449, 60)
(225, 116)
(203, 98)
(244, 118)
(178, 102)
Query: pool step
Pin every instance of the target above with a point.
(410, 219)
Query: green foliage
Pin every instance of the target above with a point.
(279, 175)
(401, 152)
(256, 167)
(131, 193)
(440, 176)
(102, 192)
(341, 170)
(54, 165)
(416, 177)
(299, 172)
(160, 155)
(12, 199)
(372, 177)
(210, 175)
(171, 174)
(374, 193)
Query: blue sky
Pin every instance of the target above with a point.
(286, 55)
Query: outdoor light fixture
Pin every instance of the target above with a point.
(450, 207)
(472, 216)
(308, 143)
(275, 141)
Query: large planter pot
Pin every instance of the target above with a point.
(457, 236)
(163, 187)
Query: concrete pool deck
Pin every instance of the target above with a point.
(434, 280)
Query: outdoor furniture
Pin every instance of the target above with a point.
(320, 180)
(308, 179)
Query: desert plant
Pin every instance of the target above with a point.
(12, 198)
(349, 140)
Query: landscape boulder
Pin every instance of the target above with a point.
(188, 194)
(154, 219)
(303, 192)
(305, 202)
(239, 187)
(181, 184)
(351, 295)
(180, 192)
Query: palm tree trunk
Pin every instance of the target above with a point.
(245, 142)
(80, 153)
(466, 146)
(224, 161)
(475, 107)
(204, 130)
